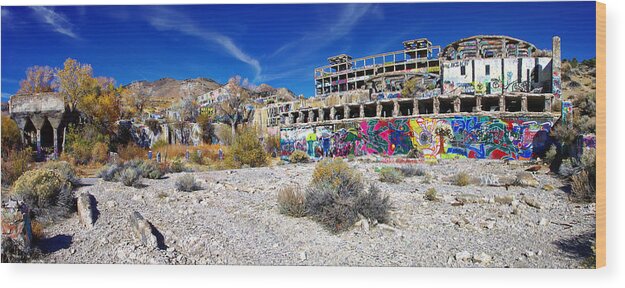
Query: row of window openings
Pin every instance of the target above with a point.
(463, 72)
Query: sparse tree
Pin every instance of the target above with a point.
(234, 110)
(75, 82)
(38, 79)
(136, 100)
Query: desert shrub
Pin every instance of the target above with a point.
(197, 158)
(177, 166)
(373, 205)
(11, 139)
(130, 176)
(187, 183)
(581, 188)
(391, 175)
(299, 156)
(428, 179)
(15, 164)
(13, 252)
(37, 230)
(414, 153)
(588, 161)
(272, 145)
(110, 172)
(292, 201)
(461, 179)
(131, 151)
(431, 195)
(338, 209)
(80, 141)
(247, 149)
(159, 144)
(46, 192)
(100, 153)
(338, 174)
(224, 134)
(412, 170)
(551, 154)
(208, 131)
(147, 169)
(65, 169)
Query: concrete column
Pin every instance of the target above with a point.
(395, 108)
(502, 103)
(457, 102)
(291, 118)
(378, 109)
(524, 104)
(38, 122)
(415, 108)
(362, 111)
(332, 113)
(346, 111)
(556, 65)
(300, 117)
(56, 143)
(436, 103)
(478, 104)
(548, 101)
(311, 116)
(21, 123)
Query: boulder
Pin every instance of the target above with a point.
(143, 230)
(463, 256)
(86, 208)
(526, 179)
(482, 258)
(504, 199)
(470, 198)
(531, 201)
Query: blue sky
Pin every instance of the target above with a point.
(275, 44)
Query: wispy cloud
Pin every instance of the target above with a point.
(327, 34)
(57, 21)
(168, 19)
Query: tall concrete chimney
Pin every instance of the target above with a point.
(556, 64)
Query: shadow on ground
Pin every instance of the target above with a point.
(579, 246)
(53, 244)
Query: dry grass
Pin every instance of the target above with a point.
(292, 201)
(132, 151)
(172, 151)
(461, 179)
(582, 189)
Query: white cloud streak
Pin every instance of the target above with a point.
(166, 19)
(57, 21)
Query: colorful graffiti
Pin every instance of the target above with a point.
(567, 112)
(481, 137)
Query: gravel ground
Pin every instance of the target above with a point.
(234, 220)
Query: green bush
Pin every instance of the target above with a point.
(292, 201)
(110, 172)
(65, 169)
(391, 175)
(177, 166)
(46, 192)
(247, 148)
(374, 205)
(581, 188)
(431, 195)
(130, 176)
(299, 156)
(551, 154)
(187, 183)
(100, 153)
(81, 140)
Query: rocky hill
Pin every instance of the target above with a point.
(578, 79)
(169, 89)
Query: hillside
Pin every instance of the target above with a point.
(170, 90)
(578, 79)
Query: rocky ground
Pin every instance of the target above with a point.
(234, 220)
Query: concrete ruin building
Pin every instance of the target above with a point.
(482, 88)
(42, 119)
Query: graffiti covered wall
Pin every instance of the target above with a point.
(481, 137)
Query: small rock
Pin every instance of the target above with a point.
(460, 222)
(505, 199)
(532, 202)
(482, 258)
(526, 179)
(302, 256)
(469, 198)
(488, 225)
(529, 254)
(111, 204)
(543, 222)
(548, 187)
(463, 256)
(137, 197)
(72, 251)
(85, 206)
(143, 230)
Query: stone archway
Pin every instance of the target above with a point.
(47, 135)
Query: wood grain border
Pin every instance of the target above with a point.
(601, 136)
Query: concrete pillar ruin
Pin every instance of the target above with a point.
(457, 102)
(38, 122)
(556, 65)
(311, 116)
(524, 104)
(502, 103)
(332, 113)
(395, 108)
(415, 109)
(300, 117)
(548, 101)
(55, 122)
(436, 104)
(378, 109)
(478, 104)
(346, 112)
(362, 111)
